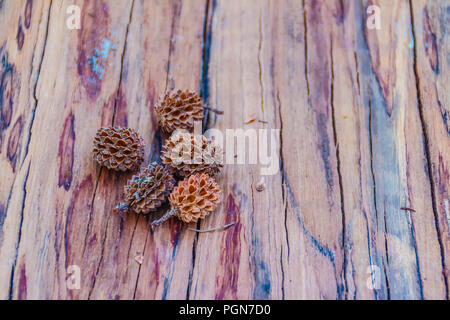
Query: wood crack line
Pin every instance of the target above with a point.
(128, 255)
(112, 123)
(369, 101)
(24, 188)
(283, 193)
(36, 102)
(283, 174)
(427, 150)
(259, 61)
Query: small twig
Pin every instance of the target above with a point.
(407, 209)
(263, 121)
(213, 109)
(213, 229)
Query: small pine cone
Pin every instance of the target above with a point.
(195, 197)
(118, 148)
(148, 190)
(186, 154)
(179, 110)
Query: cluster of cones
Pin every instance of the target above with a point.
(192, 160)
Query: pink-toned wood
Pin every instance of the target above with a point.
(431, 67)
(361, 134)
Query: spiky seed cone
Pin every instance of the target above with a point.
(192, 199)
(117, 148)
(186, 154)
(148, 190)
(179, 110)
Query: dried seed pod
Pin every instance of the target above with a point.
(192, 199)
(118, 148)
(148, 190)
(179, 110)
(186, 154)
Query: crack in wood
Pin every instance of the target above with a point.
(283, 175)
(357, 72)
(140, 265)
(338, 169)
(101, 259)
(38, 74)
(427, 150)
(206, 53)
(312, 241)
(121, 62)
(176, 13)
(283, 194)
(414, 241)
(19, 237)
(387, 251)
(204, 93)
(91, 210)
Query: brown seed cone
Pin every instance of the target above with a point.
(148, 190)
(186, 154)
(117, 148)
(179, 110)
(195, 197)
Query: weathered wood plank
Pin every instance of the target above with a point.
(248, 263)
(363, 132)
(431, 35)
(75, 94)
(165, 272)
(406, 244)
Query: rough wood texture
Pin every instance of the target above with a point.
(363, 119)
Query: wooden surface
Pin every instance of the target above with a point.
(364, 132)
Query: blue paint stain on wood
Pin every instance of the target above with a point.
(97, 60)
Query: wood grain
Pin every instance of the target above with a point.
(362, 141)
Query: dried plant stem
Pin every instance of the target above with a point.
(213, 110)
(213, 229)
(170, 213)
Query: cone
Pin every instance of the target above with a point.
(179, 110)
(186, 154)
(146, 191)
(117, 148)
(193, 198)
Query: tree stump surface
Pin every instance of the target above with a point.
(363, 145)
